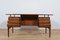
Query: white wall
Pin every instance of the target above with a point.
(30, 6)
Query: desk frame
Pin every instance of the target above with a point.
(14, 15)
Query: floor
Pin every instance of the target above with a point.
(27, 34)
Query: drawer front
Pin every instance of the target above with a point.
(14, 18)
(29, 22)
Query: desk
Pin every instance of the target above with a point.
(29, 20)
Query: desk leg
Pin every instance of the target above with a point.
(45, 30)
(49, 31)
(8, 31)
(12, 29)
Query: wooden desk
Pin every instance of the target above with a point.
(29, 20)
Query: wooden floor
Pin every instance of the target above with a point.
(27, 34)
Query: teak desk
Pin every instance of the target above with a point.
(29, 19)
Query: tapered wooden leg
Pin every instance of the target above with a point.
(12, 29)
(45, 30)
(50, 32)
(8, 31)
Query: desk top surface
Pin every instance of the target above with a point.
(29, 14)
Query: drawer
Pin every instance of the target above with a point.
(13, 25)
(14, 22)
(14, 18)
(44, 25)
